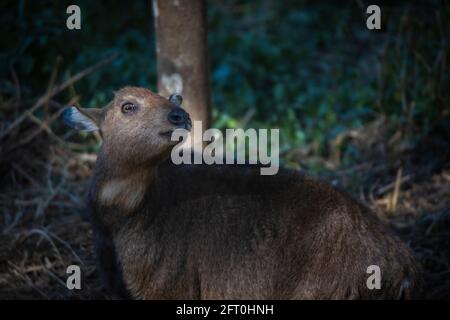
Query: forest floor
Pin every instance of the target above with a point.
(43, 230)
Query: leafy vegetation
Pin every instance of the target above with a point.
(312, 70)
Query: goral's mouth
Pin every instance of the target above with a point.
(186, 126)
(166, 133)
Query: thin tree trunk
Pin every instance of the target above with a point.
(181, 46)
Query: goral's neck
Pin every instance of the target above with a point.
(121, 185)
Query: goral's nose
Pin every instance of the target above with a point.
(179, 117)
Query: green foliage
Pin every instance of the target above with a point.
(316, 71)
(37, 36)
(311, 69)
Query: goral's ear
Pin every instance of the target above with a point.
(83, 119)
(176, 99)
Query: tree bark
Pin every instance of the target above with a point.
(181, 47)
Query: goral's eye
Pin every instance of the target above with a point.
(128, 107)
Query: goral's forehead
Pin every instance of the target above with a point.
(136, 92)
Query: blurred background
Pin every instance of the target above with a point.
(367, 110)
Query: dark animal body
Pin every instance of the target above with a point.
(226, 232)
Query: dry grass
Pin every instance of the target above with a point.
(42, 230)
(42, 191)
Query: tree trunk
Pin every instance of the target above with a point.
(181, 46)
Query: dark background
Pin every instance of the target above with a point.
(367, 110)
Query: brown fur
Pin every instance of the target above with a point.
(226, 232)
